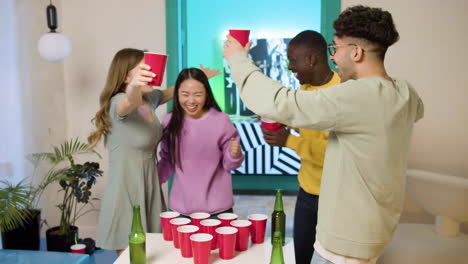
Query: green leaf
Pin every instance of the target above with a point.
(70, 177)
(13, 202)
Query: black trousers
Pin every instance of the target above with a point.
(305, 222)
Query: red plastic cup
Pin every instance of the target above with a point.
(226, 241)
(78, 248)
(269, 124)
(201, 247)
(198, 217)
(257, 230)
(166, 227)
(241, 35)
(209, 226)
(243, 230)
(175, 223)
(184, 239)
(157, 62)
(226, 218)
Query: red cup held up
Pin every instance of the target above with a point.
(241, 35)
(157, 62)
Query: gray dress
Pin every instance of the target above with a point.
(133, 178)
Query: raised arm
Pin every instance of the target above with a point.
(136, 87)
(268, 98)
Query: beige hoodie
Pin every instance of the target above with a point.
(370, 122)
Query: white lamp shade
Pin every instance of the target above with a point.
(54, 47)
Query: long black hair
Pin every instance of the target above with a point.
(172, 132)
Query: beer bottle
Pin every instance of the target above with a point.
(277, 250)
(278, 218)
(137, 239)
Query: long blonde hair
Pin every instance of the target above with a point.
(122, 63)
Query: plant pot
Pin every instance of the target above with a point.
(59, 242)
(26, 236)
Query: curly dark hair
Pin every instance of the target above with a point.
(372, 24)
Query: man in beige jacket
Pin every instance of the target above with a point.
(370, 118)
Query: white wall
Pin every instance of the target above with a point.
(41, 83)
(11, 152)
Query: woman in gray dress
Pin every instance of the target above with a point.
(131, 132)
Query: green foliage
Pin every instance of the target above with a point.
(76, 184)
(13, 202)
(75, 180)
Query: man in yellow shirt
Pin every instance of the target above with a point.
(307, 55)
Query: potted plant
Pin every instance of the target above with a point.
(20, 216)
(76, 181)
(18, 223)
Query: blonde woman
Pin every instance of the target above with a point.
(131, 131)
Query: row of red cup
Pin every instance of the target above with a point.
(229, 234)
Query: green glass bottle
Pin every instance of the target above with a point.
(277, 250)
(137, 239)
(278, 218)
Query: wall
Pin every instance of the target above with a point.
(33, 88)
(41, 83)
(33, 105)
(11, 152)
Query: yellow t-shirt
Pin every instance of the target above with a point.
(310, 146)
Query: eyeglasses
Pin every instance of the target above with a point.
(332, 48)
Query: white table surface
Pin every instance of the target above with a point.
(159, 251)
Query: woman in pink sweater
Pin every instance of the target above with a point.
(201, 146)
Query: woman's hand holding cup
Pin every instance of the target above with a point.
(140, 78)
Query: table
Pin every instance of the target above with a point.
(159, 251)
(9, 256)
